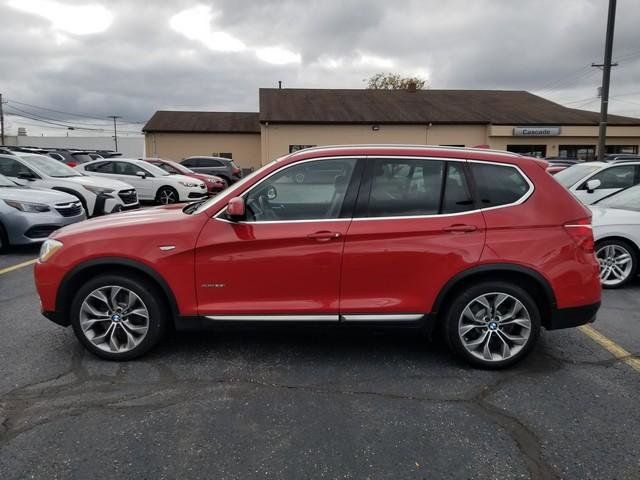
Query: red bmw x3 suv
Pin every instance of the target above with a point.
(484, 246)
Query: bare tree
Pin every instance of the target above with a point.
(394, 81)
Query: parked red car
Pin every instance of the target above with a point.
(482, 245)
(214, 184)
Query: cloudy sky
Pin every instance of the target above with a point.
(130, 58)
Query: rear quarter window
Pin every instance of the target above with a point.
(498, 184)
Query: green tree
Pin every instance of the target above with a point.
(394, 81)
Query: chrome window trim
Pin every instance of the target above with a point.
(520, 201)
(275, 318)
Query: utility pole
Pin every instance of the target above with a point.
(1, 121)
(606, 75)
(115, 129)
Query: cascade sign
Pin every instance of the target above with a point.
(536, 131)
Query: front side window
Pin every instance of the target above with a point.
(405, 187)
(209, 162)
(12, 168)
(498, 184)
(125, 168)
(614, 177)
(306, 191)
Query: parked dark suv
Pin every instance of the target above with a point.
(221, 167)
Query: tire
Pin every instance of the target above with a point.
(167, 196)
(618, 262)
(463, 330)
(4, 239)
(134, 335)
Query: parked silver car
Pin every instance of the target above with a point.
(30, 215)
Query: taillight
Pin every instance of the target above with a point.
(581, 233)
(235, 171)
(72, 164)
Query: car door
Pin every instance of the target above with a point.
(283, 261)
(612, 180)
(414, 227)
(128, 173)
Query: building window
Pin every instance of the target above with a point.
(539, 151)
(617, 149)
(295, 148)
(228, 155)
(579, 152)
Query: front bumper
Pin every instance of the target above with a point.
(28, 228)
(112, 203)
(573, 317)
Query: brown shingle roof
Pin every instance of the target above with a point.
(498, 107)
(203, 122)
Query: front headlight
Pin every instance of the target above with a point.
(49, 247)
(187, 184)
(98, 190)
(28, 206)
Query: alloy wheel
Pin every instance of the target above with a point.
(494, 326)
(167, 197)
(615, 264)
(114, 319)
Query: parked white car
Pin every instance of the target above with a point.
(97, 195)
(151, 182)
(592, 181)
(616, 229)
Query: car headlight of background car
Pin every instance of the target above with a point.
(49, 247)
(28, 206)
(189, 184)
(98, 190)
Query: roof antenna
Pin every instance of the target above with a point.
(279, 84)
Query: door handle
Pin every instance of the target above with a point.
(324, 236)
(460, 228)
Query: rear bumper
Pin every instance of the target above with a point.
(573, 317)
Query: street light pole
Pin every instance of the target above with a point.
(606, 75)
(115, 129)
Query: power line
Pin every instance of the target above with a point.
(37, 115)
(66, 113)
(62, 125)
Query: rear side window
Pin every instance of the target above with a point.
(498, 184)
(405, 187)
(413, 187)
(191, 162)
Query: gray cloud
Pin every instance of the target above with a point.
(139, 64)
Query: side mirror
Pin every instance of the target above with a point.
(141, 174)
(593, 185)
(236, 208)
(27, 176)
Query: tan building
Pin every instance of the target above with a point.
(177, 135)
(291, 119)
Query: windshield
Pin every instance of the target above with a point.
(236, 186)
(50, 167)
(82, 157)
(5, 182)
(570, 176)
(628, 199)
(179, 167)
(156, 171)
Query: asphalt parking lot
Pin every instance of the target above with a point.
(314, 405)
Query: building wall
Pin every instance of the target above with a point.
(130, 147)
(245, 147)
(502, 135)
(276, 138)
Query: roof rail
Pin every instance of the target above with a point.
(400, 145)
